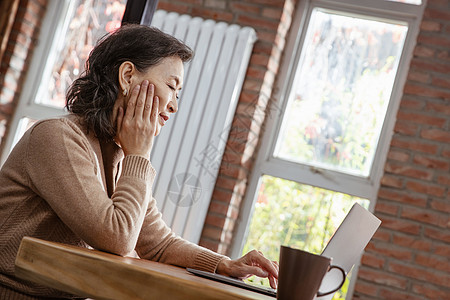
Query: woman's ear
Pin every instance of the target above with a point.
(126, 71)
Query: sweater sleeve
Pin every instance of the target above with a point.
(62, 169)
(159, 243)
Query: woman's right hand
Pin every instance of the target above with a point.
(136, 126)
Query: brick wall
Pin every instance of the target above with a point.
(409, 256)
(15, 61)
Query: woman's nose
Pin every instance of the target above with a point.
(172, 106)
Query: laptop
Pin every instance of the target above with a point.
(345, 248)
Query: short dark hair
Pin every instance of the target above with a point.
(93, 94)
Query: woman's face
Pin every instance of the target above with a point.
(167, 77)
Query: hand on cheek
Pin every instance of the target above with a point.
(136, 127)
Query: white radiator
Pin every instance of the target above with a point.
(188, 152)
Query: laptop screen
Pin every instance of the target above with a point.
(347, 244)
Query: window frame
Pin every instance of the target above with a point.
(27, 108)
(267, 164)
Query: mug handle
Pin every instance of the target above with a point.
(344, 275)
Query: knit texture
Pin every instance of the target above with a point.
(62, 184)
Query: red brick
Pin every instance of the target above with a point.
(267, 3)
(211, 245)
(214, 14)
(429, 291)
(407, 170)
(425, 90)
(260, 59)
(388, 250)
(25, 28)
(412, 103)
(397, 295)
(387, 208)
(433, 262)
(424, 51)
(272, 13)
(441, 82)
(436, 135)
(391, 181)
(414, 145)
(430, 40)
(431, 26)
(222, 195)
(402, 196)
(441, 249)
(400, 225)
(382, 278)
(245, 8)
(406, 128)
(425, 188)
(420, 118)
(178, 7)
(253, 85)
(419, 77)
(443, 206)
(215, 4)
(428, 66)
(437, 14)
(437, 234)
(366, 288)
(431, 162)
(425, 216)
(398, 155)
(31, 17)
(263, 47)
(256, 72)
(446, 152)
(237, 158)
(411, 242)
(249, 97)
(373, 261)
(420, 273)
(444, 55)
(226, 183)
(23, 40)
(233, 171)
(213, 233)
(267, 36)
(215, 220)
(382, 235)
(258, 23)
(36, 8)
(220, 208)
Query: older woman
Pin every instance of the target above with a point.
(85, 179)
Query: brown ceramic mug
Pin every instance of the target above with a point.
(301, 274)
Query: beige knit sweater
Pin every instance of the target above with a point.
(59, 184)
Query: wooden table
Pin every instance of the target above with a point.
(100, 275)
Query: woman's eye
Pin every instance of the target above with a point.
(174, 89)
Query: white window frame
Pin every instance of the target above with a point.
(267, 164)
(53, 27)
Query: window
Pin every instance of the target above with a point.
(68, 33)
(325, 148)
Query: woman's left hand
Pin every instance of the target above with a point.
(253, 263)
